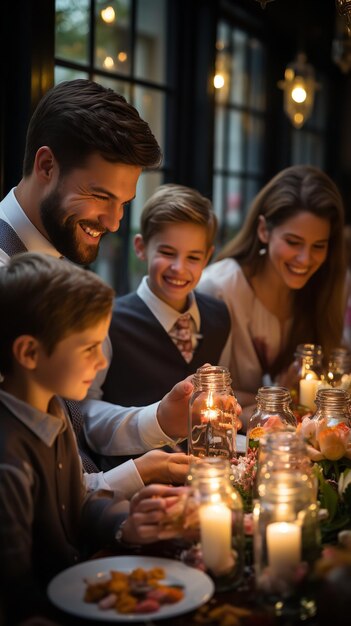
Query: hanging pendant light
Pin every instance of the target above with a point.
(344, 8)
(299, 88)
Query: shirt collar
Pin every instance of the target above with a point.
(46, 426)
(165, 314)
(27, 232)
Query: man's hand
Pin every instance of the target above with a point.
(173, 410)
(163, 467)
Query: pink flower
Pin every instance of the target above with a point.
(307, 430)
(333, 441)
(325, 442)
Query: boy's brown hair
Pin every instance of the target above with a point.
(177, 204)
(49, 299)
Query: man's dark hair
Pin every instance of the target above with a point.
(79, 117)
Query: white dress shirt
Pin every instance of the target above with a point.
(12, 213)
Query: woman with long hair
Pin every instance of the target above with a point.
(282, 277)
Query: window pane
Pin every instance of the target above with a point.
(226, 204)
(113, 36)
(218, 199)
(233, 205)
(239, 77)
(117, 85)
(223, 63)
(220, 118)
(150, 52)
(151, 106)
(147, 184)
(257, 97)
(67, 73)
(252, 188)
(72, 30)
(307, 148)
(108, 261)
(146, 187)
(236, 143)
(255, 131)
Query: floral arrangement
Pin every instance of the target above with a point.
(329, 448)
(244, 472)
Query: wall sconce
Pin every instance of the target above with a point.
(344, 8)
(299, 88)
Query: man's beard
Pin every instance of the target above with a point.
(62, 231)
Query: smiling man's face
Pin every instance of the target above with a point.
(86, 204)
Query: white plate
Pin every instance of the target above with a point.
(67, 589)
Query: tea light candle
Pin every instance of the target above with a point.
(216, 535)
(209, 415)
(283, 545)
(308, 390)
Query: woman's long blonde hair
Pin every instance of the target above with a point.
(319, 305)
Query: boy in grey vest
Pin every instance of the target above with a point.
(54, 318)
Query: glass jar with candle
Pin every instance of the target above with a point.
(212, 414)
(272, 414)
(309, 367)
(333, 406)
(286, 541)
(283, 451)
(215, 511)
(339, 369)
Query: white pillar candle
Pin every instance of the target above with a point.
(308, 392)
(283, 545)
(216, 536)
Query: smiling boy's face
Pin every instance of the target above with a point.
(175, 259)
(72, 366)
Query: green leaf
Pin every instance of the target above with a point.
(329, 498)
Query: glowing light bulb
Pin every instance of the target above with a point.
(108, 15)
(218, 81)
(299, 94)
(122, 57)
(108, 63)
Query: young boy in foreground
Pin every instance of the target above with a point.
(54, 317)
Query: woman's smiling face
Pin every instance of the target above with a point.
(296, 248)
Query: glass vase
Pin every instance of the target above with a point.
(272, 414)
(212, 414)
(286, 541)
(214, 519)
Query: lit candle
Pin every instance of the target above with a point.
(308, 391)
(283, 545)
(216, 536)
(210, 413)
